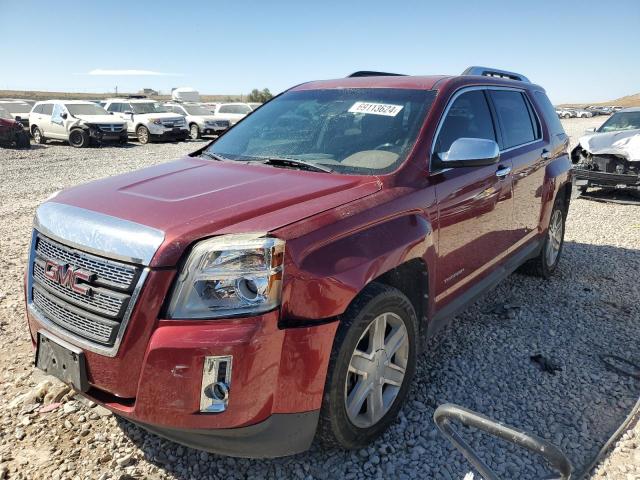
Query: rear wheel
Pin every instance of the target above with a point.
(546, 263)
(38, 137)
(143, 135)
(22, 140)
(371, 367)
(79, 138)
(194, 131)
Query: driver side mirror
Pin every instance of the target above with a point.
(128, 112)
(469, 152)
(64, 115)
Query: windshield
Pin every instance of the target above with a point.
(197, 110)
(16, 107)
(621, 121)
(352, 131)
(85, 109)
(4, 114)
(147, 107)
(240, 109)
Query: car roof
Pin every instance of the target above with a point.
(419, 82)
(69, 102)
(131, 100)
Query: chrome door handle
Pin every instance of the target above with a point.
(546, 155)
(503, 172)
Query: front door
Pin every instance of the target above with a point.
(57, 128)
(475, 204)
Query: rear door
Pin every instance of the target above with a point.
(44, 121)
(522, 145)
(475, 204)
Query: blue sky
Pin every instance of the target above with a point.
(578, 50)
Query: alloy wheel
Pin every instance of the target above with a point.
(554, 240)
(376, 370)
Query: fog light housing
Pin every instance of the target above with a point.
(216, 382)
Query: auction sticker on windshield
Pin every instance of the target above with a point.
(376, 108)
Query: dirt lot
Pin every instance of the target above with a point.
(481, 361)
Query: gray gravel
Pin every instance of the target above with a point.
(481, 361)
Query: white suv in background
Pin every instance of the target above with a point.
(78, 122)
(234, 112)
(147, 120)
(18, 109)
(199, 118)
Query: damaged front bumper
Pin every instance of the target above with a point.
(585, 178)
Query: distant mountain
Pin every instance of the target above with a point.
(628, 101)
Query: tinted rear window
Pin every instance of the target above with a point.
(549, 114)
(516, 124)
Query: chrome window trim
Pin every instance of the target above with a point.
(70, 337)
(98, 233)
(455, 96)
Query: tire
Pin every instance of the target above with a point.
(194, 131)
(376, 306)
(37, 135)
(143, 135)
(22, 140)
(79, 138)
(546, 263)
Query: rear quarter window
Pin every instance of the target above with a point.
(549, 114)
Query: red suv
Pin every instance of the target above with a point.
(278, 284)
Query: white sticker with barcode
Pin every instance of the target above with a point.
(376, 108)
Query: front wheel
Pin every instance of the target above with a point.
(546, 263)
(371, 367)
(79, 138)
(143, 134)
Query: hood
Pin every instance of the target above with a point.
(5, 122)
(194, 198)
(160, 115)
(624, 142)
(106, 119)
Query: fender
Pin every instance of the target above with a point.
(324, 279)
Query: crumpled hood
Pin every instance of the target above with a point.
(194, 198)
(100, 119)
(625, 143)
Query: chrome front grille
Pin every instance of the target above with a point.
(174, 122)
(95, 314)
(108, 272)
(111, 127)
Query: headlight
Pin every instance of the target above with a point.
(229, 275)
(157, 121)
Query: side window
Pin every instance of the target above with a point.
(47, 109)
(549, 113)
(468, 117)
(516, 124)
(37, 109)
(114, 107)
(57, 112)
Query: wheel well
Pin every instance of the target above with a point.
(412, 279)
(565, 190)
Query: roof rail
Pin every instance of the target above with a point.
(494, 72)
(368, 73)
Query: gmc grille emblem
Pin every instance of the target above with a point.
(68, 277)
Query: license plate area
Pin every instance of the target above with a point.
(64, 362)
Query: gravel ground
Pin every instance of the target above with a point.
(591, 307)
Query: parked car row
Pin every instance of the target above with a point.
(85, 122)
(587, 112)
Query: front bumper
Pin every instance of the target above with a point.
(170, 134)
(279, 435)
(155, 379)
(594, 178)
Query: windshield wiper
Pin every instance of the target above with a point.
(294, 162)
(213, 156)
